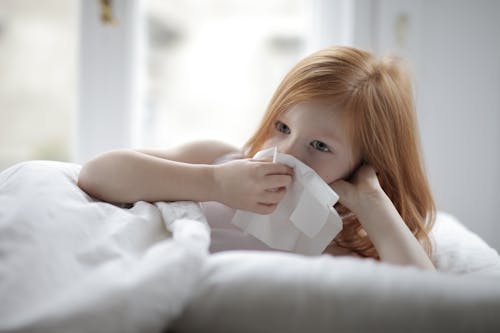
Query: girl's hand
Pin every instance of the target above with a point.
(362, 193)
(388, 232)
(256, 186)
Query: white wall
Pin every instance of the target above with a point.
(460, 104)
(454, 47)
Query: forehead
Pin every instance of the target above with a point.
(323, 118)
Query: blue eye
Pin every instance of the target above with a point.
(321, 146)
(282, 127)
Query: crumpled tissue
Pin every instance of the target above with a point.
(305, 221)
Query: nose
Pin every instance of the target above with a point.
(291, 147)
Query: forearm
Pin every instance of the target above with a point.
(391, 237)
(129, 176)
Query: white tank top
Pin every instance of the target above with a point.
(224, 235)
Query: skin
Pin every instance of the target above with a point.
(312, 132)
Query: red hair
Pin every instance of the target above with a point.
(380, 112)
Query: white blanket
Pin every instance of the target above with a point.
(69, 263)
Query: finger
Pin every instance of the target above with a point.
(275, 181)
(263, 159)
(269, 168)
(366, 177)
(340, 187)
(366, 171)
(274, 197)
(344, 190)
(278, 169)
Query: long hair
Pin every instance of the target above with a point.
(377, 97)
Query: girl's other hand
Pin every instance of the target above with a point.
(361, 192)
(256, 186)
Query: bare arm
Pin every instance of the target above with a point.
(184, 173)
(388, 232)
(391, 237)
(180, 173)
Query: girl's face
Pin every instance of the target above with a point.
(314, 132)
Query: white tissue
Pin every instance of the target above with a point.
(305, 221)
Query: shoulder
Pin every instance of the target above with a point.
(197, 152)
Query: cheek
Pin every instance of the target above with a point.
(333, 171)
(270, 142)
(330, 175)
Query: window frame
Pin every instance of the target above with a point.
(110, 81)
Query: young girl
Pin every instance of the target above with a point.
(341, 111)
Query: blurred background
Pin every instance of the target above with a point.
(79, 77)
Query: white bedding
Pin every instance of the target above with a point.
(69, 263)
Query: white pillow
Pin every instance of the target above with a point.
(458, 250)
(245, 291)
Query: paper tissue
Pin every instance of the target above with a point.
(304, 221)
